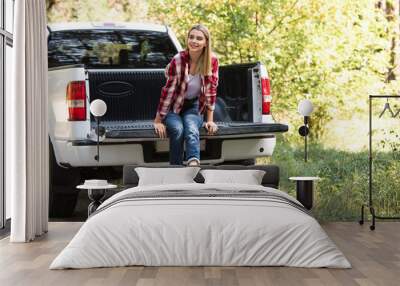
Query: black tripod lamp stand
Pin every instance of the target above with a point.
(98, 108)
(305, 108)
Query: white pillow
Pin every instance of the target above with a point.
(249, 177)
(163, 176)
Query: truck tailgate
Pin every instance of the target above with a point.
(145, 129)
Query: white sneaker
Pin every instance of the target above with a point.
(193, 162)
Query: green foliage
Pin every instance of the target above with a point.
(335, 51)
(343, 187)
(100, 10)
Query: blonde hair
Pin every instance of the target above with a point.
(204, 62)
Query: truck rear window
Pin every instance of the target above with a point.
(110, 48)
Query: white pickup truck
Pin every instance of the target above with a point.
(123, 64)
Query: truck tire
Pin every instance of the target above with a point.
(246, 162)
(63, 194)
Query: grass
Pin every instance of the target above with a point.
(343, 187)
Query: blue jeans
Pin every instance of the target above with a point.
(184, 128)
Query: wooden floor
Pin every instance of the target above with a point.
(375, 257)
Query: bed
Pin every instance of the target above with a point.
(201, 224)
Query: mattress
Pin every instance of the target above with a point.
(201, 225)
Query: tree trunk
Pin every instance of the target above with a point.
(391, 9)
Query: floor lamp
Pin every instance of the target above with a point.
(98, 108)
(305, 108)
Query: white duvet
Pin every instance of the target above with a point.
(219, 231)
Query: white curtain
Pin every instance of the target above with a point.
(26, 119)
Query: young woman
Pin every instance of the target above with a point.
(188, 95)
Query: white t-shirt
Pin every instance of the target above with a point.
(194, 86)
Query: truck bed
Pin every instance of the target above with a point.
(133, 95)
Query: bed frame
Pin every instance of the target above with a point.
(270, 179)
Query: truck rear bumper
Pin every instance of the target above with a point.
(82, 153)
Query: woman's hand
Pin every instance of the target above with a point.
(160, 129)
(211, 127)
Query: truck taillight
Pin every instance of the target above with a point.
(76, 101)
(266, 96)
(265, 91)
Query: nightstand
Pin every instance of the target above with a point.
(96, 193)
(305, 190)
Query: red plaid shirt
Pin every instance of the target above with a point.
(174, 92)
